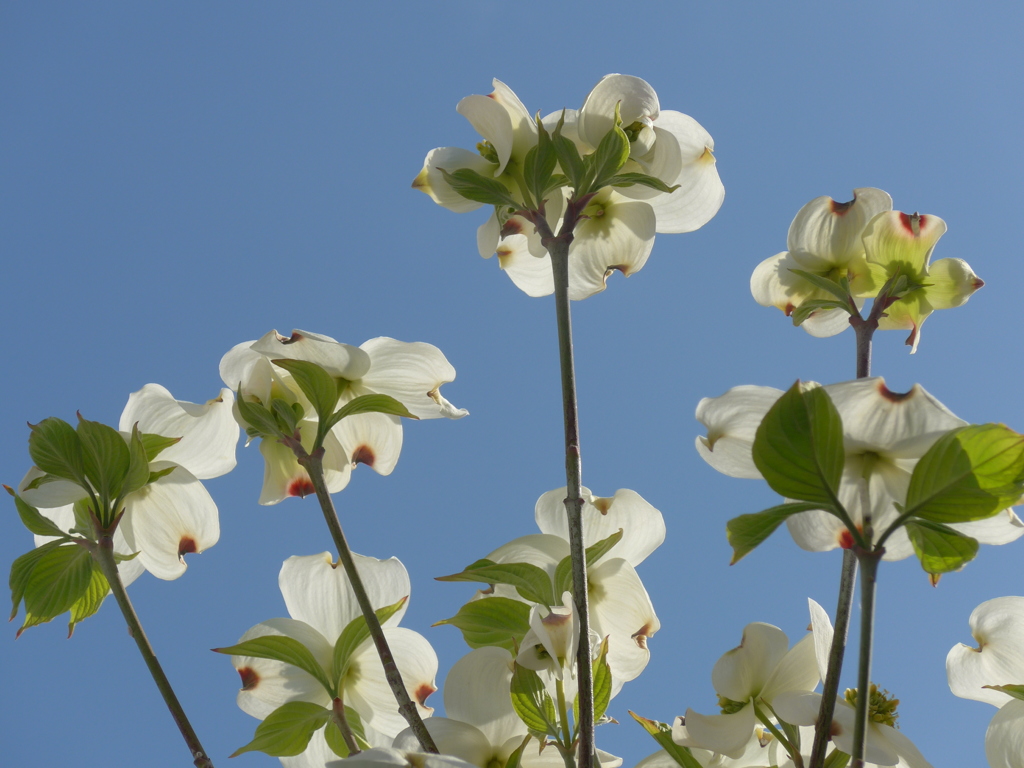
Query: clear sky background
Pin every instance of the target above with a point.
(177, 178)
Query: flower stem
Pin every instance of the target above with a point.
(339, 719)
(563, 713)
(865, 331)
(792, 749)
(558, 249)
(830, 688)
(869, 566)
(313, 464)
(104, 555)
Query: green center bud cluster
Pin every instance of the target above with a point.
(881, 705)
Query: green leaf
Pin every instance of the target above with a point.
(644, 180)
(939, 548)
(1017, 691)
(138, 464)
(286, 731)
(798, 448)
(56, 449)
(662, 734)
(371, 404)
(809, 307)
(106, 457)
(353, 636)
(332, 734)
(611, 154)
(824, 283)
(91, 600)
(597, 550)
(57, 581)
(498, 621)
(530, 581)
(968, 474)
(532, 702)
(539, 164)
(21, 571)
(257, 416)
(568, 155)
(478, 188)
(836, 759)
(316, 384)
(34, 520)
(602, 686)
(516, 758)
(286, 649)
(557, 181)
(156, 444)
(287, 418)
(747, 532)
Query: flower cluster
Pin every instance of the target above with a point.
(411, 373)
(668, 183)
(859, 247)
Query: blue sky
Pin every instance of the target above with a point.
(177, 178)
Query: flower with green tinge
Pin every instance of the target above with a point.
(552, 640)
(618, 226)
(174, 514)
(321, 604)
(481, 726)
(884, 435)
(412, 373)
(620, 608)
(997, 626)
(748, 679)
(898, 243)
(825, 240)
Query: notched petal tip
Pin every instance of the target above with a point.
(187, 546)
(841, 208)
(422, 692)
(641, 636)
(250, 678)
(301, 487)
(363, 455)
(895, 397)
(707, 157)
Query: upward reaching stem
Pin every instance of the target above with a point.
(558, 248)
(104, 555)
(314, 467)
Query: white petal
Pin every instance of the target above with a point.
(208, 432)
(797, 671)
(452, 737)
(682, 155)
(367, 690)
(742, 672)
(168, 519)
(337, 359)
(618, 236)
(622, 611)
(727, 734)
(492, 121)
(283, 477)
(998, 628)
(244, 368)
(642, 526)
(373, 439)
(524, 128)
(821, 626)
(540, 549)
(636, 99)
(476, 692)
(825, 233)
(1004, 740)
(451, 159)
(57, 493)
(487, 236)
(317, 591)
(267, 684)
(732, 420)
(412, 373)
(874, 417)
(1001, 528)
(531, 275)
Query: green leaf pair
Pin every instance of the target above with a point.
(96, 458)
(56, 577)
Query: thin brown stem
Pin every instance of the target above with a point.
(313, 464)
(558, 249)
(338, 716)
(103, 553)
